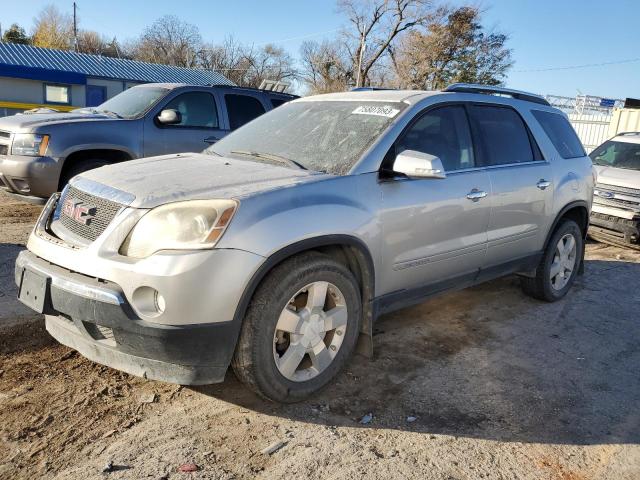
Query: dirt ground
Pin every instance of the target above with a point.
(500, 386)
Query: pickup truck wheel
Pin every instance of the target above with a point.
(300, 329)
(559, 265)
(80, 166)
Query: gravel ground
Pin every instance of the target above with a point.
(482, 383)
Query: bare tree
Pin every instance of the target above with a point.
(170, 41)
(375, 25)
(325, 67)
(453, 48)
(91, 42)
(248, 66)
(53, 29)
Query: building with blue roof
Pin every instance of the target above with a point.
(33, 77)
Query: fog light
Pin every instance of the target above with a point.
(21, 185)
(148, 301)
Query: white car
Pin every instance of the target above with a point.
(615, 217)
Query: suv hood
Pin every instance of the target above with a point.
(621, 177)
(193, 176)
(30, 121)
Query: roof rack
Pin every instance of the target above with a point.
(490, 90)
(238, 87)
(627, 133)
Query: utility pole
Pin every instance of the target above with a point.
(75, 28)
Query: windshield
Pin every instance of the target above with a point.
(617, 154)
(132, 102)
(326, 136)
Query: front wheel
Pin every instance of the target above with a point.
(300, 329)
(559, 265)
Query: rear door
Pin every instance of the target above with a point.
(200, 125)
(436, 229)
(521, 181)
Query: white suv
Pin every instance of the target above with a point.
(615, 217)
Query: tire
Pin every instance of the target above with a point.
(550, 288)
(79, 167)
(259, 359)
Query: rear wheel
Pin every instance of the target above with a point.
(300, 329)
(559, 265)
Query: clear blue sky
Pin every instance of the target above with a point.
(544, 33)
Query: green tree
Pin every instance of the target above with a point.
(16, 34)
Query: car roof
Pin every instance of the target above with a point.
(172, 86)
(627, 137)
(407, 96)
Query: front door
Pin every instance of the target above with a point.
(521, 181)
(199, 126)
(435, 230)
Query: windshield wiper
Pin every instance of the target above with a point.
(269, 156)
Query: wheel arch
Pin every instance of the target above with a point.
(349, 250)
(112, 155)
(577, 211)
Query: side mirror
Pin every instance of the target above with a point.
(169, 117)
(418, 165)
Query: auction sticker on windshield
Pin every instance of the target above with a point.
(379, 110)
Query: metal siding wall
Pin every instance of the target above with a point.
(625, 120)
(592, 129)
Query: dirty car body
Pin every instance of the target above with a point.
(369, 188)
(615, 217)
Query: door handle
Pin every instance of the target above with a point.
(542, 184)
(211, 140)
(475, 195)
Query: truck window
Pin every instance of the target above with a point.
(198, 109)
(242, 109)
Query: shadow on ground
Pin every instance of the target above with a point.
(490, 363)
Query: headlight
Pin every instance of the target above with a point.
(31, 144)
(194, 224)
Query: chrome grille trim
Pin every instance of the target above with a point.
(105, 212)
(617, 189)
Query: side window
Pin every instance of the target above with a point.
(276, 102)
(561, 134)
(503, 135)
(242, 109)
(443, 132)
(198, 109)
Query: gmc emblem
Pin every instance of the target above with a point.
(78, 211)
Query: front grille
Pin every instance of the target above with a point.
(5, 134)
(4, 149)
(98, 213)
(617, 189)
(618, 203)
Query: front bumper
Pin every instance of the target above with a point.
(29, 176)
(94, 318)
(615, 229)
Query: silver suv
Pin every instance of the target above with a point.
(276, 249)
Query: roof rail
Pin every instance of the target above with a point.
(490, 90)
(369, 89)
(237, 87)
(627, 133)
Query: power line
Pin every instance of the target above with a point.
(298, 38)
(572, 67)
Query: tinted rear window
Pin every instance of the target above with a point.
(503, 135)
(561, 134)
(242, 109)
(276, 102)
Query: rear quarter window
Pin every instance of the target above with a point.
(561, 134)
